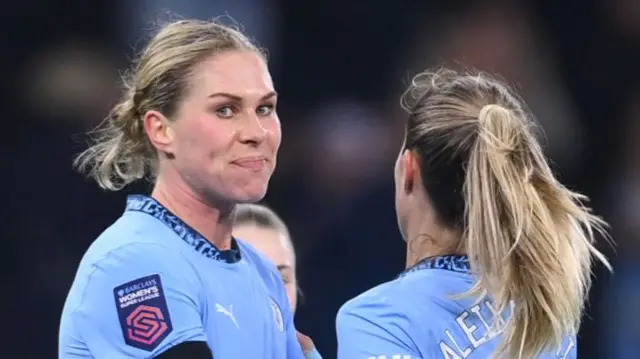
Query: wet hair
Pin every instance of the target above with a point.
(529, 239)
(120, 151)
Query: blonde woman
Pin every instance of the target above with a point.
(167, 279)
(499, 253)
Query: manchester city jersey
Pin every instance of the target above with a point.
(419, 316)
(151, 282)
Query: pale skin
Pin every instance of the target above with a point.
(220, 147)
(276, 246)
(417, 219)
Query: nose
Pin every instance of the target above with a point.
(252, 130)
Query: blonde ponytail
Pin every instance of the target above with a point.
(530, 239)
(119, 151)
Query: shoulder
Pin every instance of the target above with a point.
(382, 321)
(401, 306)
(394, 294)
(144, 287)
(111, 254)
(381, 296)
(108, 271)
(131, 243)
(130, 228)
(378, 306)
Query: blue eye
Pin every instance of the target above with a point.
(224, 112)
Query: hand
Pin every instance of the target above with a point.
(305, 342)
(308, 347)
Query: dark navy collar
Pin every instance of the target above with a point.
(453, 263)
(148, 205)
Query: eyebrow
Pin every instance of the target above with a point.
(283, 267)
(239, 98)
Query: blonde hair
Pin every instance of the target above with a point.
(259, 215)
(529, 239)
(120, 151)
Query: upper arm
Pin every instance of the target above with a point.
(370, 327)
(138, 305)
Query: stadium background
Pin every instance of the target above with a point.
(339, 67)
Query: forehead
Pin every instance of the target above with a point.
(241, 73)
(269, 242)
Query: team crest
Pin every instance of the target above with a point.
(277, 315)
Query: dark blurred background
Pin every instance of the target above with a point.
(340, 67)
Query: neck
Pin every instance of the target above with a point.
(431, 242)
(213, 222)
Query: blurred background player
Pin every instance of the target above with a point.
(167, 279)
(261, 227)
(483, 215)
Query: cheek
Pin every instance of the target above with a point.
(210, 135)
(292, 293)
(275, 132)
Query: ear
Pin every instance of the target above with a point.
(408, 168)
(160, 134)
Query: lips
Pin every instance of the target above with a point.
(254, 163)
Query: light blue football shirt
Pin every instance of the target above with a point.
(415, 317)
(151, 282)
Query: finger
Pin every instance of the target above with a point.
(305, 342)
(313, 354)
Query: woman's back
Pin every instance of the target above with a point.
(421, 317)
(475, 194)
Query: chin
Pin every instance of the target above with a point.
(251, 195)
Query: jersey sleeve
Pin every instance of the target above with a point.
(371, 327)
(139, 305)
